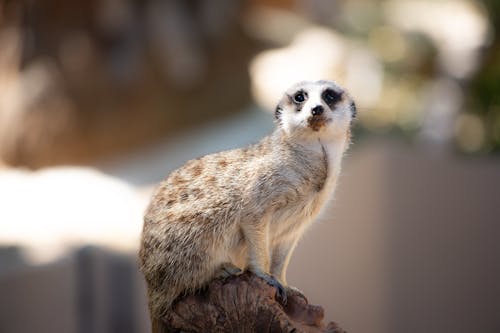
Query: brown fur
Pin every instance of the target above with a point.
(316, 123)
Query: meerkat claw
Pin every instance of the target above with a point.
(281, 292)
(280, 289)
(295, 292)
(226, 270)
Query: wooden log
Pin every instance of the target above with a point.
(244, 303)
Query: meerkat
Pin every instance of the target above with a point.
(247, 208)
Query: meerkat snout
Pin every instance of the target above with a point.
(317, 110)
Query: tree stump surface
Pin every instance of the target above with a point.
(245, 303)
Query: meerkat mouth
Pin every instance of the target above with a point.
(317, 123)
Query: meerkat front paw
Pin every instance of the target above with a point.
(226, 270)
(281, 291)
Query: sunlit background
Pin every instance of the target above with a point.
(101, 99)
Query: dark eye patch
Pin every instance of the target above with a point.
(331, 97)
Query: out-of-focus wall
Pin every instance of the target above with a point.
(410, 244)
(90, 290)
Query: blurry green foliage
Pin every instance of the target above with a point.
(484, 93)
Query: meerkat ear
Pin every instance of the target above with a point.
(277, 112)
(353, 110)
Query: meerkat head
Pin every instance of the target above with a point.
(320, 109)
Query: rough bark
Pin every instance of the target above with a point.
(245, 303)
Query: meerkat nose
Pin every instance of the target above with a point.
(317, 110)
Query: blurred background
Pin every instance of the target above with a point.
(101, 99)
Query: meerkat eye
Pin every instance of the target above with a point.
(299, 97)
(330, 96)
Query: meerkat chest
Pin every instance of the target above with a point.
(296, 216)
